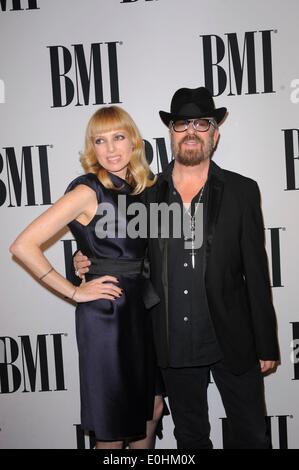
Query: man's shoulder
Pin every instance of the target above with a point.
(238, 178)
(239, 186)
(235, 179)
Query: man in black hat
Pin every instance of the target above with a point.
(216, 312)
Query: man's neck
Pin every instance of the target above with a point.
(193, 175)
(188, 180)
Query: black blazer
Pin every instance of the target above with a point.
(235, 272)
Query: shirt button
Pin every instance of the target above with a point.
(174, 193)
(185, 265)
(185, 291)
(186, 319)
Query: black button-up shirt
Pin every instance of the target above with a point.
(192, 340)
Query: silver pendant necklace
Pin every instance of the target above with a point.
(192, 225)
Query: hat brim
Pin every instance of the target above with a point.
(217, 114)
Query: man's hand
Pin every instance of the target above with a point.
(267, 365)
(81, 264)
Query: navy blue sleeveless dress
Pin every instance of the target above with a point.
(116, 362)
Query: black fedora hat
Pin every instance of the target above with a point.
(188, 103)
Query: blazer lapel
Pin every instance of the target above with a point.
(215, 192)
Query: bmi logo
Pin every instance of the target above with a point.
(79, 76)
(238, 64)
(27, 169)
(84, 440)
(17, 5)
(275, 233)
(291, 145)
(24, 173)
(26, 367)
(157, 152)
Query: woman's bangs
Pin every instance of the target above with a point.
(107, 122)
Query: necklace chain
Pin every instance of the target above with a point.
(192, 217)
(192, 225)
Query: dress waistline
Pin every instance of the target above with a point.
(116, 267)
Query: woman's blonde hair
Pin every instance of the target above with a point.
(108, 119)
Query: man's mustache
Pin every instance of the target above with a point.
(193, 138)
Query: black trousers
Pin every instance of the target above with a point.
(243, 401)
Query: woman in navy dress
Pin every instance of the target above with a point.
(116, 356)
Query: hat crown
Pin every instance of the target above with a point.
(191, 101)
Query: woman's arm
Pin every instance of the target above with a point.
(78, 203)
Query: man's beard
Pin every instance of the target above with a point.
(193, 157)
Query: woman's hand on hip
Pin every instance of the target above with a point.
(102, 288)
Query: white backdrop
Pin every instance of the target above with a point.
(141, 51)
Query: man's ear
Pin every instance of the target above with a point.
(216, 137)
